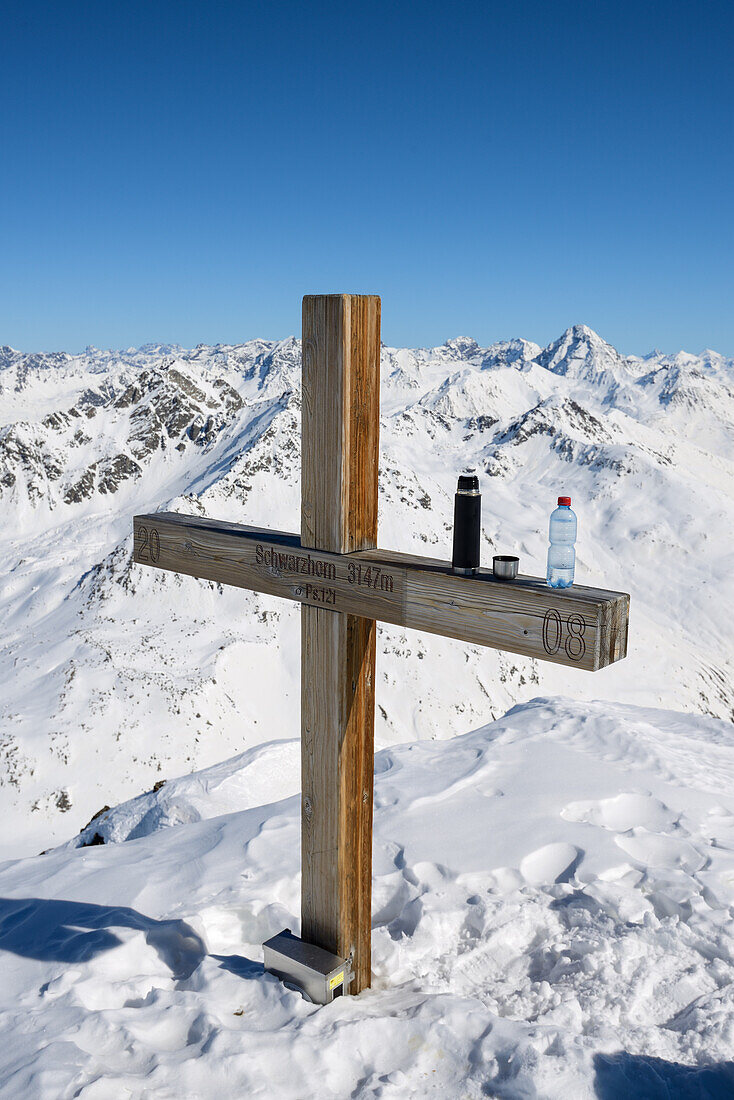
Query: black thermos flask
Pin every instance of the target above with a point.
(467, 524)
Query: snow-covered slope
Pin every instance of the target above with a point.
(112, 677)
(551, 918)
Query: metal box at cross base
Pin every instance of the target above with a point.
(318, 974)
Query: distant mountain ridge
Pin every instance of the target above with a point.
(111, 676)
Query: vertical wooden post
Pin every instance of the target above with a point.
(340, 448)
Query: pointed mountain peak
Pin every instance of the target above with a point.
(583, 334)
(582, 354)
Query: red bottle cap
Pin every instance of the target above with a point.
(565, 500)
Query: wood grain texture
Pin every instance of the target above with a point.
(339, 471)
(522, 616)
(341, 421)
(337, 782)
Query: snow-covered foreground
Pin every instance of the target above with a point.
(551, 918)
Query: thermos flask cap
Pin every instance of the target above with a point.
(468, 483)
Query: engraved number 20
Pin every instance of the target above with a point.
(149, 541)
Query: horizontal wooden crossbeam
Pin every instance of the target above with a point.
(580, 627)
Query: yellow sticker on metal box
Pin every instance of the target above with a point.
(336, 980)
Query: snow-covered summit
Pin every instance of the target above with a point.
(551, 917)
(112, 677)
(581, 354)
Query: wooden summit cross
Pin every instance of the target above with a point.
(344, 585)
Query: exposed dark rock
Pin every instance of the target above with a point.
(63, 802)
(481, 423)
(96, 839)
(83, 488)
(93, 818)
(115, 470)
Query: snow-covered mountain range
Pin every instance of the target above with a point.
(113, 677)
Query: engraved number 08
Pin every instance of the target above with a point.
(553, 632)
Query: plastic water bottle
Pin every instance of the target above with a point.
(561, 552)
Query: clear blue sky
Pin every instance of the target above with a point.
(185, 172)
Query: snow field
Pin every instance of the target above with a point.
(551, 917)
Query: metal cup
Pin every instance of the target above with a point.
(505, 566)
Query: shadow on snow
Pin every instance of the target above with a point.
(76, 931)
(621, 1076)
